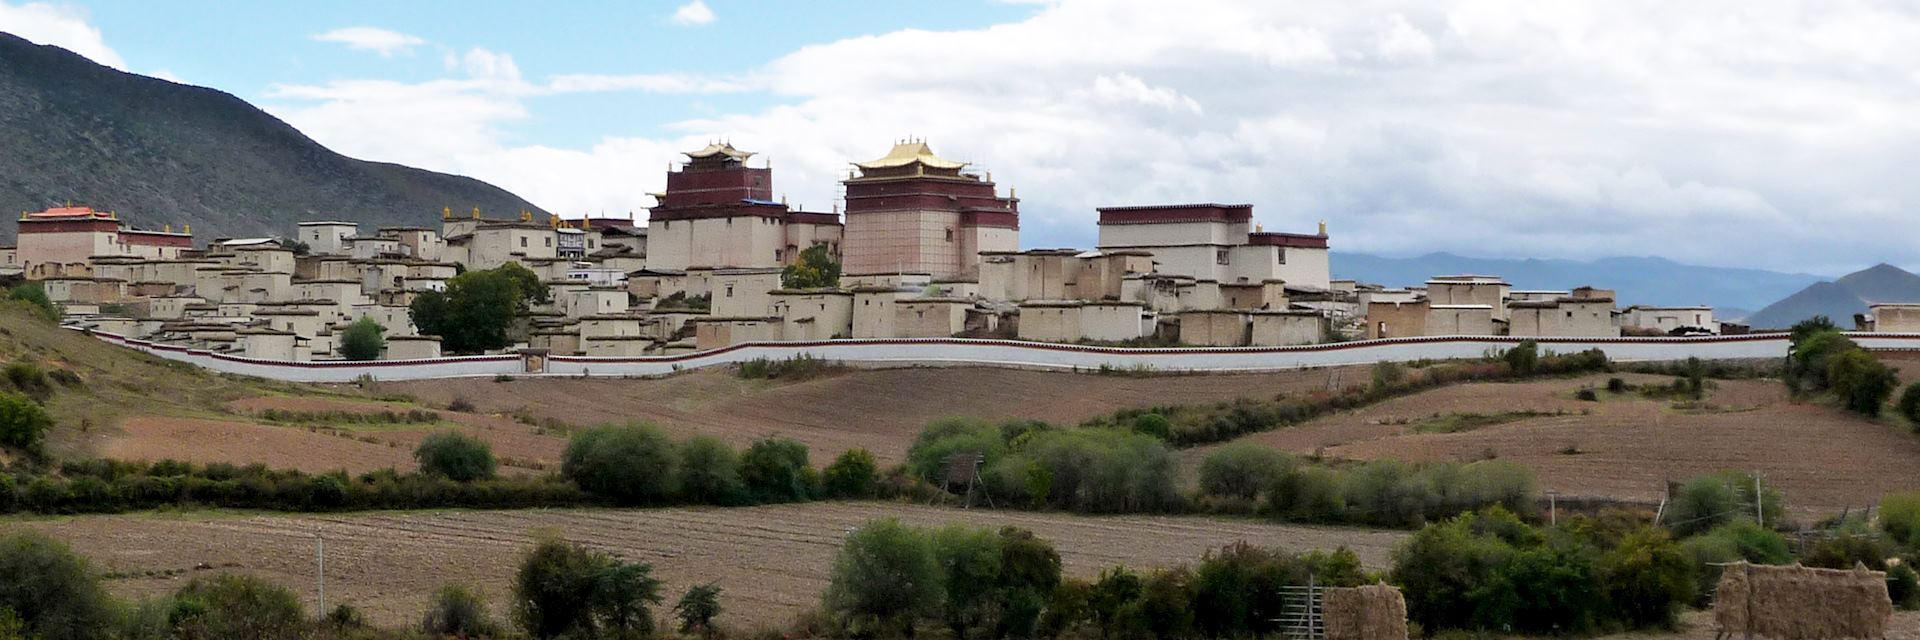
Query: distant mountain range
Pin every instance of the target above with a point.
(1840, 299)
(1648, 281)
(164, 153)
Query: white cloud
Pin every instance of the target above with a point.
(693, 14)
(1768, 134)
(61, 26)
(382, 41)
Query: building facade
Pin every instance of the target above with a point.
(915, 212)
(1216, 242)
(719, 212)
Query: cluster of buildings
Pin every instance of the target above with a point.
(927, 247)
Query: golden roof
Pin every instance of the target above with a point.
(720, 148)
(910, 152)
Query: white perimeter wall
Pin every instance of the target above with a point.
(1010, 353)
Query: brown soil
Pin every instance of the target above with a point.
(206, 441)
(881, 410)
(773, 562)
(1824, 460)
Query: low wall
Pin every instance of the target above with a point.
(1009, 353)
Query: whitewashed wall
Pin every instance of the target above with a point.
(1009, 353)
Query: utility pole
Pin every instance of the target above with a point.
(321, 552)
(1553, 508)
(1759, 503)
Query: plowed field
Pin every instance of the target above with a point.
(772, 561)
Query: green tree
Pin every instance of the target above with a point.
(885, 577)
(563, 589)
(1807, 328)
(815, 269)
(1910, 405)
(633, 464)
(1861, 381)
(852, 475)
(478, 307)
(971, 561)
(455, 456)
(1029, 574)
(23, 422)
(456, 612)
(237, 606)
(776, 470)
(1648, 578)
(1242, 470)
(363, 340)
(1113, 600)
(697, 609)
(34, 297)
(710, 472)
(51, 589)
(1523, 357)
(623, 594)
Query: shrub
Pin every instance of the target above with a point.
(51, 589)
(461, 404)
(710, 472)
(884, 577)
(814, 269)
(1712, 500)
(363, 340)
(1900, 517)
(34, 297)
(1741, 540)
(1242, 470)
(23, 423)
(697, 609)
(1391, 493)
(970, 561)
(1587, 395)
(455, 456)
(457, 612)
(1387, 375)
(947, 436)
(1808, 360)
(1088, 470)
(1648, 578)
(238, 606)
(776, 470)
(1522, 358)
(1029, 574)
(854, 474)
(1903, 586)
(1846, 550)
(565, 589)
(632, 464)
(1616, 385)
(1153, 424)
(1909, 405)
(1861, 382)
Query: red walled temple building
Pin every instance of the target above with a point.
(62, 238)
(719, 212)
(915, 212)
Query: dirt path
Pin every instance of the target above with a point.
(772, 561)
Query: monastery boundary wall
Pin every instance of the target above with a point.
(1003, 353)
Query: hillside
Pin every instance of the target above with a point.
(1652, 281)
(164, 153)
(1842, 298)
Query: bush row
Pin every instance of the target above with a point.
(111, 487)
(1379, 493)
(638, 464)
(1824, 360)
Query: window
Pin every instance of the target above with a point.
(523, 242)
(949, 234)
(776, 255)
(549, 241)
(729, 291)
(1281, 254)
(1220, 256)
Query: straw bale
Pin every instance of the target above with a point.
(1802, 603)
(1373, 612)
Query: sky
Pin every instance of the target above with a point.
(1757, 133)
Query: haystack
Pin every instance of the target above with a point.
(1802, 603)
(1373, 612)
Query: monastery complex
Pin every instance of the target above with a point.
(927, 248)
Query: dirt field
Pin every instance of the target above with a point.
(1825, 460)
(772, 561)
(881, 410)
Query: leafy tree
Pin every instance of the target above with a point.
(1111, 601)
(1648, 578)
(363, 340)
(971, 560)
(1807, 328)
(34, 297)
(1165, 609)
(885, 576)
(697, 609)
(1910, 405)
(1242, 470)
(776, 470)
(51, 589)
(633, 464)
(852, 475)
(1709, 501)
(1029, 573)
(1807, 361)
(1523, 357)
(1153, 424)
(475, 311)
(23, 422)
(710, 472)
(456, 612)
(564, 589)
(814, 270)
(1861, 381)
(455, 456)
(237, 606)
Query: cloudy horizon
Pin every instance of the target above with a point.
(1769, 135)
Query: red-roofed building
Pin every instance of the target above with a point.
(719, 212)
(51, 239)
(1218, 242)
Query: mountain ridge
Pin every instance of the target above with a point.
(159, 153)
(1841, 298)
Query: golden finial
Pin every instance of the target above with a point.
(1323, 227)
(167, 228)
(526, 216)
(188, 230)
(446, 213)
(476, 213)
(586, 222)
